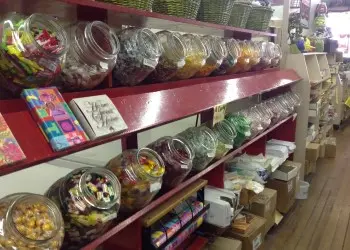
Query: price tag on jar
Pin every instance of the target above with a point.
(211, 154)
(219, 113)
(104, 65)
(181, 64)
(228, 146)
(184, 166)
(150, 63)
(347, 102)
(155, 187)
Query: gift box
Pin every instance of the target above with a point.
(54, 117)
(10, 151)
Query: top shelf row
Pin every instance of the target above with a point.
(92, 8)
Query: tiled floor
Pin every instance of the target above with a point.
(321, 221)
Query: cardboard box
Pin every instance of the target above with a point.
(270, 222)
(331, 147)
(322, 149)
(264, 204)
(253, 238)
(285, 193)
(313, 165)
(312, 151)
(287, 171)
(222, 243)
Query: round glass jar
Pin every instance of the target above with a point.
(265, 58)
(277, 52)
(30, 221)
(172, 58)
(196, 56)
(177, 156)
(203, 141)
(243, 61)
(218, 52)
(89, 199)
(138, 57)
(242, 125)
(225, 135)
(140, 173)
(32, 50)
(256, 54)
(92, 55)
(233, 53)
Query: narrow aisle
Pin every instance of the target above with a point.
(322, 221)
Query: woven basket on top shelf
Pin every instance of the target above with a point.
(259, 18)
(180, 8)
(218, 12)
(240, 14)
(138, 4)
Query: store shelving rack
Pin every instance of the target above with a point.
(148, 106)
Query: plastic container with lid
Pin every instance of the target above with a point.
(92, 55)
(266, 56)
(30, 221)
(218, 52)
(243, 61)
(203, 141)
(32, 50)
(197, 54)
(172, 58)
(89, 199)
(138, 57)
(177, 156)
(140, 173)
(233, 53)
(277, 54)
(225, 135)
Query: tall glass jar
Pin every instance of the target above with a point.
(255, 56)
(265, 58)
(234, 52)
(218, 52)
(172, 58)
(196, 56)
(177, 156)
(242, 125)
(30, 221)
(92, 55)
(225, 135)
(203, 141)
(138, 57)
(277, 52)
(89, 199)
(243, 60)
(32, 50)
(140, 173)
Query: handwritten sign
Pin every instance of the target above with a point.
(219, 113)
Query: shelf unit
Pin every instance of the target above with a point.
(149, 106)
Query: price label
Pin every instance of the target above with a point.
(181, 64)
(155, 187)
(228, 146)
(347, 102)
(257, 242)
(219, 113)
(104, 65)
(184, 166)
(212, 154)
(150, 63)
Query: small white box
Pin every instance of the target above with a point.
(98, 115)
(315, 105)
(286, 172)
(312, 113)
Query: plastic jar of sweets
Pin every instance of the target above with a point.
(140, 173)
(172, 58)
(32, 50)
(218, 52)
(92, 55)
(138, 57)
(30, 221)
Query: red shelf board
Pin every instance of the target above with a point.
(142, 108)
(148, 14)
(172, 192)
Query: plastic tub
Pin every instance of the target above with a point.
(303, 191)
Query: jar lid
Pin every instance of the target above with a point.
(172, 46)
(34, 217)
(233, 48)
(151, 162)
(182, 148)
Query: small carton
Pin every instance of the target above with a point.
(285, 193)
(331, 147)
(287, 171)
(253, 238)
(312, 151)
(222, 243)
(270, 222)
(322, 149)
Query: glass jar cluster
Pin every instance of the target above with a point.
(38, 51)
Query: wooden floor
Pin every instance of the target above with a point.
(322, 221)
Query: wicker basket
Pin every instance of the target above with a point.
(138, 4)
(259, 18)
(239, 15)
(180, 8)
(215, 11)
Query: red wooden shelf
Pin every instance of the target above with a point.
(172, 192)
(142, 108)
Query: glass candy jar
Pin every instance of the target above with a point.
(256, 55)
(243, 61)
(32, 50)
(196, 56)
(138, 57)
(89, 199)
(172, 58)
(242, 125)
(225, 135)
(177, 156)
(266, 56)
(218, 52)
(233, 53)
(92, 55)
(140, 173)
(203, 142)
(277, 52)
(30, 221)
